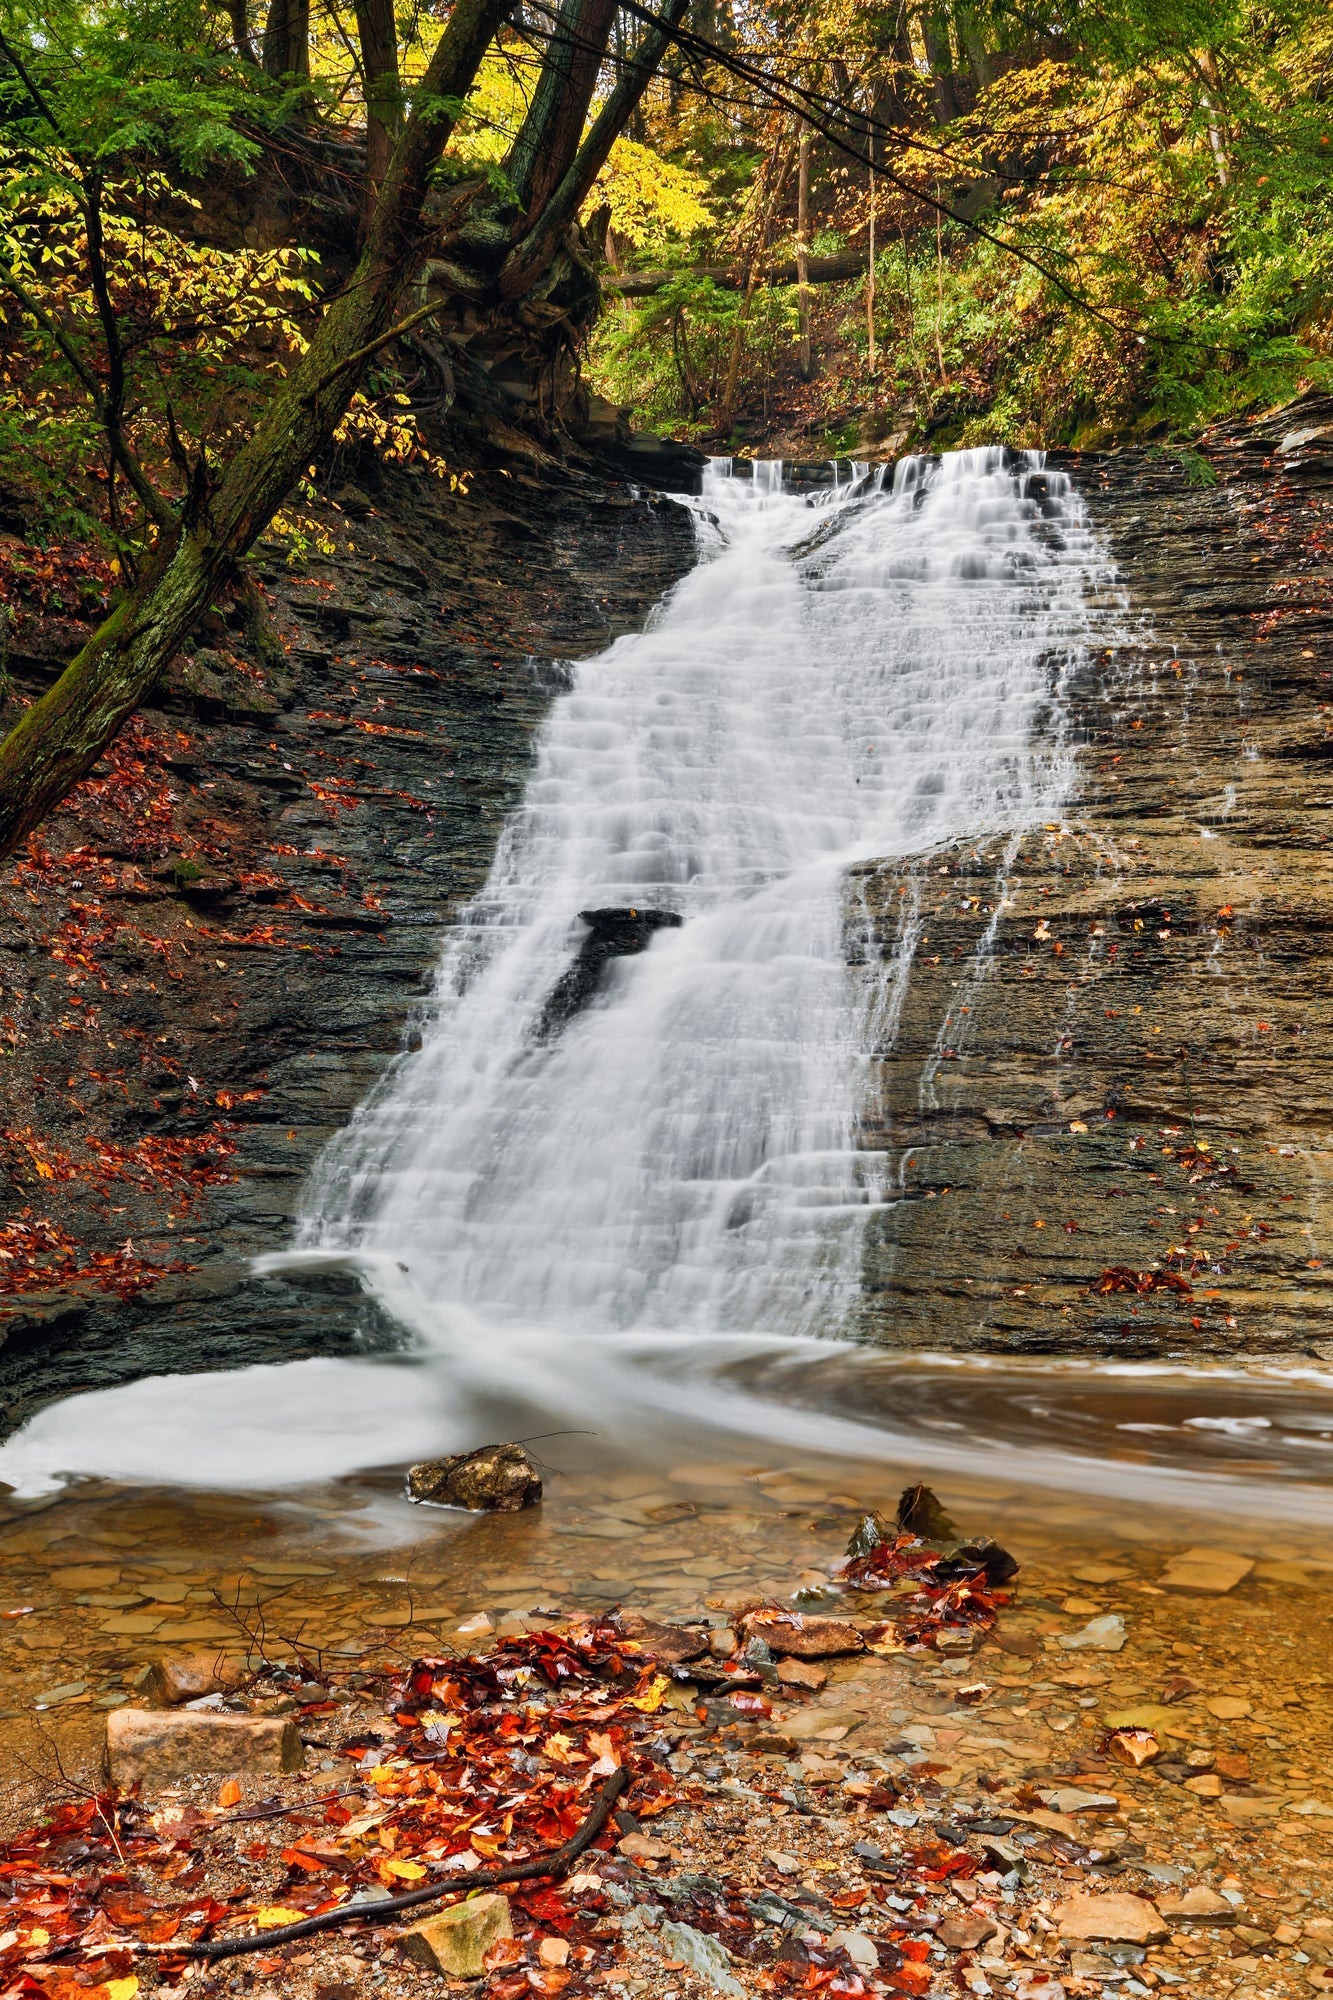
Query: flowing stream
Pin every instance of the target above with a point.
(627, 1194)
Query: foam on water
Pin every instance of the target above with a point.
(658, 1206)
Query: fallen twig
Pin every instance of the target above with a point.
(276, 1811)
(553, 1862)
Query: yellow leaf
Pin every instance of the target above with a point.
(650, 1702)
(410, 1871)
(121, 1989)
(273, 1916)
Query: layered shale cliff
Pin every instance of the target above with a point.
(209, 955)
(1108, 1103)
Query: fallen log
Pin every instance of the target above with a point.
(820, 271)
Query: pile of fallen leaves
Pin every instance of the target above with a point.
(479, 1761)
(37, 1255)
(1120, 1278)
(952, 1592)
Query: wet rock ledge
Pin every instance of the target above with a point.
(220, 943)
(1109, 1108)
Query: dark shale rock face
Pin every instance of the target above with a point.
(1126, 1145)
(1126, 1142)
(360, 783)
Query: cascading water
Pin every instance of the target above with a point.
(617, 1191)
(863, 677)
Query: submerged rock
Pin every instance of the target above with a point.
(921, 1513)
(191, 1677)
(671, 1644)
(496, 1478)
(791, 1635)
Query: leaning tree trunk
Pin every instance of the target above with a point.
(63, 734)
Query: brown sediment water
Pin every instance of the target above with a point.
(349, 1574)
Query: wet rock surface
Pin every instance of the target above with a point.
(343, 764)
(496, 1478)
(1108, 1108)
(611, 934)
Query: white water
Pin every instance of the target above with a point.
(588, 1226)
(862, 679)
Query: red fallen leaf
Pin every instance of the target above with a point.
(313, 1864)
(1120, 1278)
(546, 1906)
(749, 1704)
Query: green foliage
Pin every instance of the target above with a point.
(1155, 240)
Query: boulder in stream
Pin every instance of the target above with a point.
(494, 1479)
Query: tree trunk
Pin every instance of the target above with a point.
(534, 252)
(287, 38)
(939, 58)
(378, 36)
(803, 251)
(64, 733)
(872, 357)
(778, 161)
(239, 15)
(549, 136)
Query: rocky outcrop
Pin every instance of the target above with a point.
(495, 1479)
(611, 934)
(342, 757)
(1108, 1108)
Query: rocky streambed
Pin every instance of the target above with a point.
(1120, 1783)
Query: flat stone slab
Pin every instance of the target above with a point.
(964, 1932)
(151, 1746)
(794, 1636)
(1197, 1906)
(1212, 1571)
(456, 1941)
(1240, 1808)
(1114, 1919)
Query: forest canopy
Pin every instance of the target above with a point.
(1069, 223)
(241, 237)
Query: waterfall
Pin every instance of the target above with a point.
(657, 1141)
(864, 676)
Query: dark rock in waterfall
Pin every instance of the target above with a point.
(495, 1479)
(611, 934)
